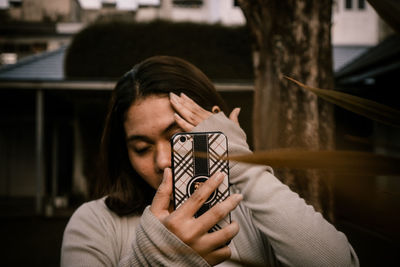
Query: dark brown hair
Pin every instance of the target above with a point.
(127, 193)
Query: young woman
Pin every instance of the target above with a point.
(134, 224)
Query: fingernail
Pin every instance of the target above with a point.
(172, 96)
(165, 173)
(238, 110)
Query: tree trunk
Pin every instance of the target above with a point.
(292, 37)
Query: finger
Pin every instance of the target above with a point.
(182, 110)
(186, 126)
(188, 100)
(234, 115)
(188, 109)
(193, 204)
(218, 256)
(200, 112)
(218, 212)
(220, 238)
(161, 200)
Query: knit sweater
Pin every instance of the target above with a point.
(277, 227)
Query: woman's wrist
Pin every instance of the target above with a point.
(165, 247)
(237, 143)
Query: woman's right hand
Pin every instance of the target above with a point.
(194, 231)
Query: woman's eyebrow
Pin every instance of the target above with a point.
(172, 126)
(134, 137)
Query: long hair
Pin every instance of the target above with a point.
(127, 193)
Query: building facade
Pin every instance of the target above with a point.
(52, 23)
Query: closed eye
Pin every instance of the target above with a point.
(139, 147)
(141, 151)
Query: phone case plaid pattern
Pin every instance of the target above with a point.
(184, 169)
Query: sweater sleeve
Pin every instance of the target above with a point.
(298, 234)
(93, 238)
(155, 245)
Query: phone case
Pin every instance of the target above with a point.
(195, 158)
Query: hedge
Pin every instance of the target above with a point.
(107, 50)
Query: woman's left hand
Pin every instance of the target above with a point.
(189, 114)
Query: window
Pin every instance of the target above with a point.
(361, 4)
(188, 3)
(358, 5)
(15, 3)
(348, 4)
(108, 4)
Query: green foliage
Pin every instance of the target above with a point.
(107, 50)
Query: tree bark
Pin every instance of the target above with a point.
(293, 38)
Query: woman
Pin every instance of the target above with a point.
(134, 224)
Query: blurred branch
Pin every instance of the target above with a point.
(367, 141)
(365, 107)
(343, 162)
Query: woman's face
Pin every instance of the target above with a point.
(149, 125)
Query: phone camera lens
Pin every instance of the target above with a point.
(182, 139)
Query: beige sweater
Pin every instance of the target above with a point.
(276, 226)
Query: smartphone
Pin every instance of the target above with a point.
(196, 156)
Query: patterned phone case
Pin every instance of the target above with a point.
(195, 158)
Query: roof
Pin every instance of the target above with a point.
(380, 59)
(46, 71)
(342, 55)
(48, 66)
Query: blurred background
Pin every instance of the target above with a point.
(59, 60)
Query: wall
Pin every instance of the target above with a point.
(354, 26)
(211, 11)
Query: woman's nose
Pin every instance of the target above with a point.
(163, 156)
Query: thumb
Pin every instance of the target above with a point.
(234, 115)
(159, 206)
